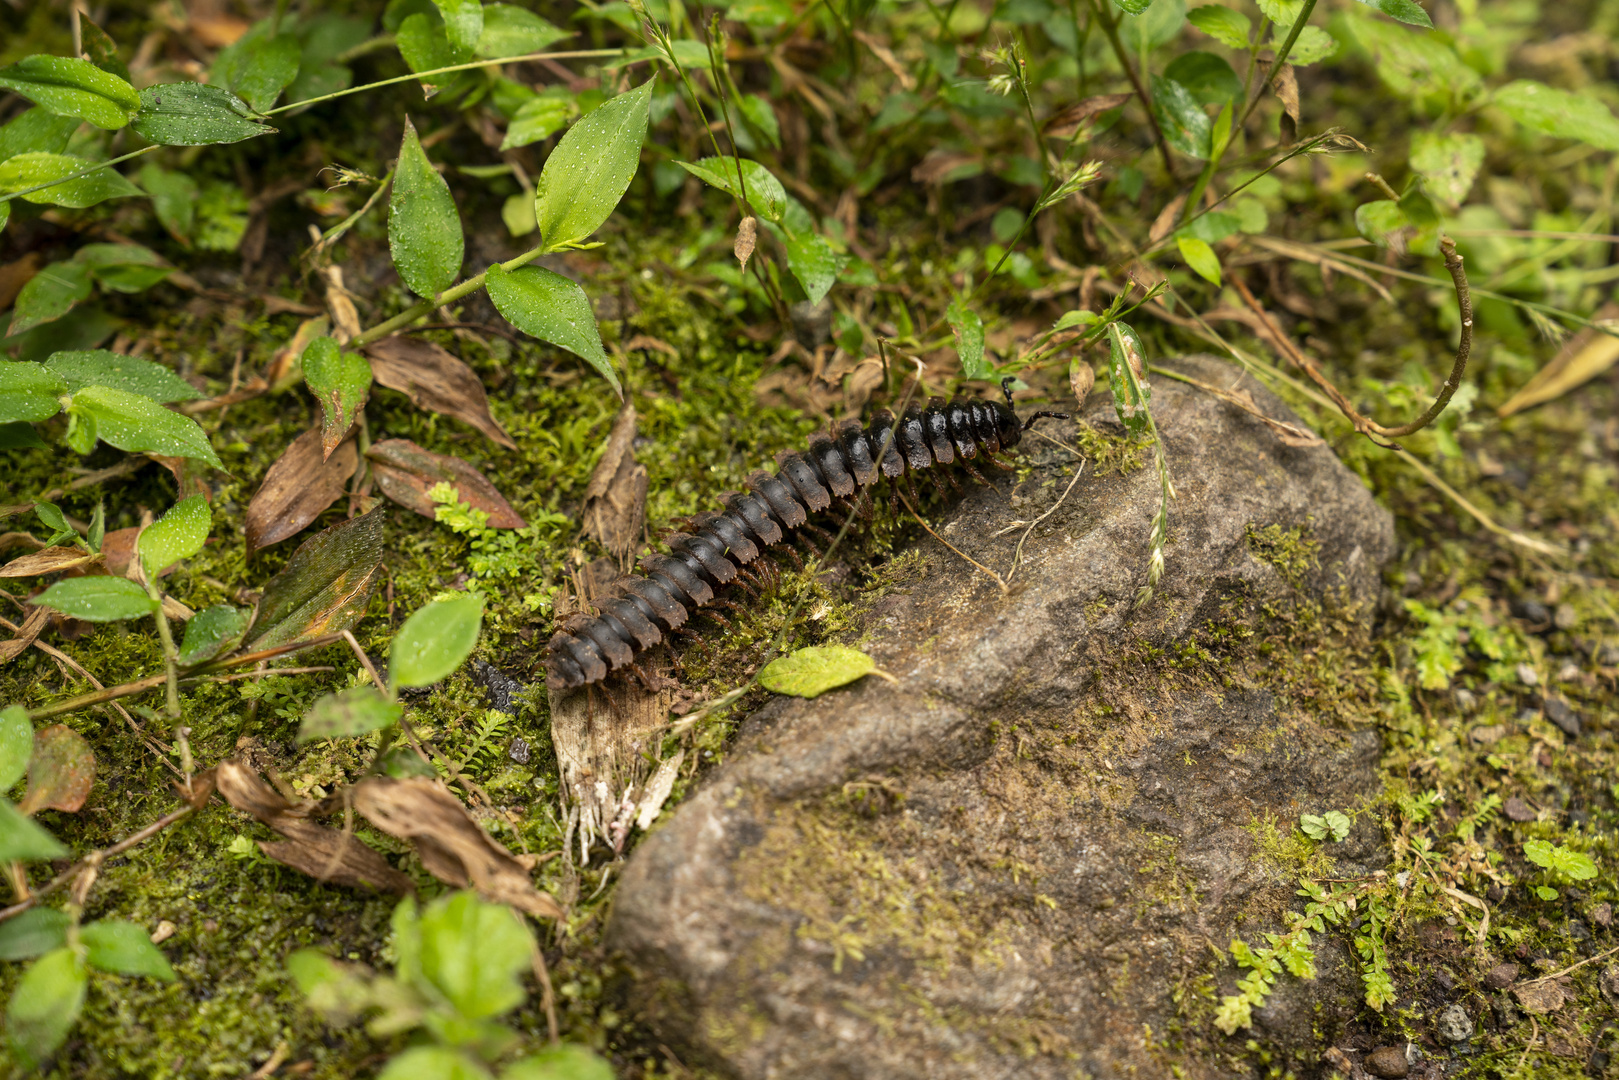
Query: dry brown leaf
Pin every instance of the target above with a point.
(322, 853)
(1286, 89)
(615, 499)
(939, 164)
(452, 846)
(326, 585)
(1582, 358)
(406, 473)
(52, 560)
(26, 634)
(61, 772)
(189, 475)
(1082, 377)
(599, 756)
(296, 489)
(747, 238)
(866, 377)
(433, 379)
(1539, 998)
(647, 341)
(1165, 222)
(14, 275)
(340, 302)
(1066, 121)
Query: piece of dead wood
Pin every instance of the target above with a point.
(406, 473)
(52, 560)
(26, 634)
(297, 488)
(1582, 358)
(453, 848)
(435, 380)
(312, 849)
(615, 499)
(599, 735)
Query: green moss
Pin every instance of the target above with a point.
(1293, 551)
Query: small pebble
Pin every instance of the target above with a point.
(1465, 699)
(1602, 915)
(1518, 810)
(1532, 611)
(1566, 719)
(1454, 1025)
(518, 750)
(1387, 1061)
(1569, 672)
(1527, 676)
(1565, 617)
(1488, 735)
(1608, 983)
(1501, 976)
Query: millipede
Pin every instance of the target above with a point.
(839, 464)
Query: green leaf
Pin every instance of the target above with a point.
(425, 45)
(1559, 113)
(509, 30)
(1128, 380)
(1281, 12)
(463, 21)
(1338, 824)
(475, 953)
(19, 435)
(766, 197)
(435, 641)
(22, 840)
(177, 535)
(358, 710)
(258, 66)
(16, 746)
(73, 87)
(567, 1061)
(1447, 163)
(692, 54)
(1186, 126)
(1133, 7)
(174, 198)
(424, 230)
(127, 268)
(29, 392)
(811, 672)
(1403, 10)
(123, 949)
(45, 1005)
(814, 264)
(49, 294)
(538, 118)
(433, 1063)
(1314, 826)
(341, 382)
(969, 330)
(98, 367)
(761, 116)
(1207, 77)
(27, 170)
(1157, 26)
(1230, 28)
(195, 114)
(591, 168)
(51, 516)
(1377, 219)
(1415, 65)
(324, 587)
(1560, 859)
(1546, 892)
(546, 305)
(140, 425)
(33, 933)
(1313, 45)
(98, 598)
(209, 632)
(37, 130)
(1200, 257)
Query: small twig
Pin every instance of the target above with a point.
(275, 1061)
(123, 468)
(1017, 555)
(1571, 967)
(95, 858)
(998, 580)
(548, 999)
(348, 636)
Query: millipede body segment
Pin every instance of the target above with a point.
(837, 465)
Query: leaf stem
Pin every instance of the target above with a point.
(448, 296)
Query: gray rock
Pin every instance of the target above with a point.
(1454, 1025)
(1559, 713)
(1006, 864)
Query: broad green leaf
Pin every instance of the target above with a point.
(23, 840)
(1403, 10)
(29, 392)
(1414, 65)
(33, 933)
(463, 21)
(37, 130)
(1376, 220)
(258, 66)
(765, 195)
(73, 87)
(968, 328)
(174, 198)
(49, 294)
(591, 168)
(1153, 28)
(813, 671)
(341, 382)
(19, 435)
(509, 30)
(210, 632)
(1281, 12)
(1207, 77)
(433, 1063)
(1186, 126)
(1213, 226)
(139, 424)
(1559, 113)
(1230, 28)
(546, 305)
(814, 264)
(27, 170)
(1127, 378)
(435, 641)
(1338, 824)
(1133, 7)
(177, 535)
(51, 516)
(566, 1061)
(127, 268)
(45, 1005)
(424, 230)
(1075, 318)
(98, 367)
(761, 115)
(195, 114)
(60, 773)
(324, 38)
(1313, 45)
(123, 949)
(425, 45)
(98, 598)
(1447, 163)
(324, 587)
(538, 118)
(16, 746)
(1200, 257)
(475, 953)
(358, 710)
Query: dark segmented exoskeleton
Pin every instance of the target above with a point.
(839, 464)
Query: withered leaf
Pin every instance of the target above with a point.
(615, 499)
(406, 473)
(747, 238)
(325, 586)
(1064, 122)
(283, 371)
(296, 489)
(26, 634)
(61, 772)
(1582, 358)
(1286, 89)
(50, 561)
(435, 380)
(322, 853)
(1539, 997)
(451, 845)
(938, 164)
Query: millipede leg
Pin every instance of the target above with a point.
(910, 486)
(810, 544)
(972, 471)
(793, 555)
(938, 476)
(647, 682)
(997, 462)
(818, 531)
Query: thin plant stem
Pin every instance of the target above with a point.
(95, 858)
(96, 167)
(448, 296)
(580, 54)
(1276, 64)
(1110, 27)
